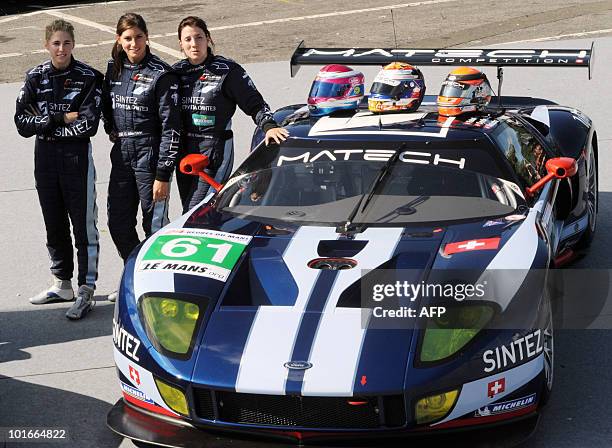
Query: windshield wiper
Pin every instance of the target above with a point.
(366, 198)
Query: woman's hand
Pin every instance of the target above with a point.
(276, 134)
(160, 190)
(70, 117)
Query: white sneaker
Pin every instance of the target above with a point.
(83, 305)
(112, 297)
(59, 290)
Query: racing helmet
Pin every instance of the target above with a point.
(336, 87)
(465, 89)
(398, 86)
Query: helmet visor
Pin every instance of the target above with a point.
(381, 88)
(327, 89)
(454, 89)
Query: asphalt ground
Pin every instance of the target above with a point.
(57, 373)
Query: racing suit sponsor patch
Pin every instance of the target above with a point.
(203, 120)
(505, 406)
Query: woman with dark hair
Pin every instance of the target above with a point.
(59, 103)
(211, 88)
(142, 118)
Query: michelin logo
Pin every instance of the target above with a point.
(136, 393)
(506, 406)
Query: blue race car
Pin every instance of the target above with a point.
(372, 276)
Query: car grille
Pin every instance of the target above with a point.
(301, 412)
(203, 403)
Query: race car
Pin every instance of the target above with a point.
(372, 276)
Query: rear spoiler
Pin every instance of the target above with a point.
(496, 57)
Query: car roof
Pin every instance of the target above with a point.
(416, 126)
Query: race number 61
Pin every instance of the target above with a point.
(196, 249)
(186, 247)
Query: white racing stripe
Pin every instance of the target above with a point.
(338, 342)
(474, 395)
(274, 329)
(517, 254)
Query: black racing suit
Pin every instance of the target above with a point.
(142, 113)
(63, 165)
(210, 92)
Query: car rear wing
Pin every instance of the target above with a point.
(496, 57)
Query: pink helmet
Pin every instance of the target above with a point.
(336, 87)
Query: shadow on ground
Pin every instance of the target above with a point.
(27, 405)
(42, 325)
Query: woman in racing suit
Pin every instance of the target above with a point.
(211, 88)
(59, 103)
(142, 117)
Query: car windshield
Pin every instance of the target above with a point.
(328, 192)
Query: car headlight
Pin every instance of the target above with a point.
(170, 323)
(173, 396)
(435, 407)
(446, 335)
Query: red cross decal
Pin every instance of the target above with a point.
(135, 375)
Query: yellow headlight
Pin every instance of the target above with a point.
(192, 311)
(435, 407)
(169, 308)
(174, 397)
(170, 323)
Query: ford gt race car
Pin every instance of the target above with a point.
(372, 276)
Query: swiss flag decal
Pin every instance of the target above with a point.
(496, 387)
(471, 245)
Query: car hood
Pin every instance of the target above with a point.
(279, 325)
(286, 327)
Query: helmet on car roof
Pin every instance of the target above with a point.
(398, 86)
(465, 89)
(336, 87)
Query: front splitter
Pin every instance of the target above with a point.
(139, 426)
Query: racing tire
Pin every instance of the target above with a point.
(592, 205)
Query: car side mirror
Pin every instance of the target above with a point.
(557, 168)
(195, 164)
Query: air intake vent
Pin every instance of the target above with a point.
(332, 264)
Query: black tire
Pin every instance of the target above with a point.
(592, 204)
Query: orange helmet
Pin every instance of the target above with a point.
(465, 89)
(397, 87)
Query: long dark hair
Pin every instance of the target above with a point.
(193, 22)
(126, 21)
